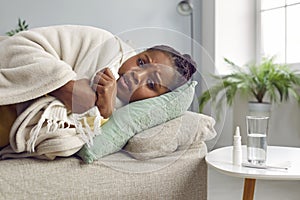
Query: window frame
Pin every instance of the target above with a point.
(259, 44)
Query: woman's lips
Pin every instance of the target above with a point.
(125, 83)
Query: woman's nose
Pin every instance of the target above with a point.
(139, 75)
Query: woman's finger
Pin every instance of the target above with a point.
(105, 76)
(95, 87)
(100, 89)
(109, 73)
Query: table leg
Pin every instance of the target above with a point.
(249, 186)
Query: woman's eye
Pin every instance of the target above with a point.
(151, 84)
(140, 62)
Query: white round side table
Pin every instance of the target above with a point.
(221, 160)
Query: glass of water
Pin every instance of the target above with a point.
(257, 130)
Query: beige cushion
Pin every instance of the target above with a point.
(178, 133)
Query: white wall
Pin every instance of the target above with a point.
(128, 19)
(115, 15)
(228, 31)
(235, 39)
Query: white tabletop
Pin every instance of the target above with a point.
(221, 160)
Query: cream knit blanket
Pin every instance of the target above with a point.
(36, 62)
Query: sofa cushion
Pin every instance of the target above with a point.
(136, 117)
(179, 133)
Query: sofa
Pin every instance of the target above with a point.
(165, 161)
(126, 174)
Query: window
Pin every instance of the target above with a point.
(280, 30)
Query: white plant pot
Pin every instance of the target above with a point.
(259, 109)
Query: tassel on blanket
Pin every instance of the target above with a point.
(55, 115)
(34, 135)
(88, 124)
(57, 119)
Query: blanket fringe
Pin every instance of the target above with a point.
(55, 117)
(34, 135)
(85, 129)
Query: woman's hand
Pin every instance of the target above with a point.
(105, 86)
(77, 96)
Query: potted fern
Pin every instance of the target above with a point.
(263, 84)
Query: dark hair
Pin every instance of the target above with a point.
(184, 63)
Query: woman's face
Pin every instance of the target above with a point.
(146, 75)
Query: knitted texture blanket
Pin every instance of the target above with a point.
(36, 62)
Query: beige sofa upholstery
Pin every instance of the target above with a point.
(181, 175)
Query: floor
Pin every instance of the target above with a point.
(223, 187)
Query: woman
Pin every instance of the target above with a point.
(148, 74)
(55, 60)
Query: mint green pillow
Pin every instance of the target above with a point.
(136, 117)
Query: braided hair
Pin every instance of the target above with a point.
(183, 63)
